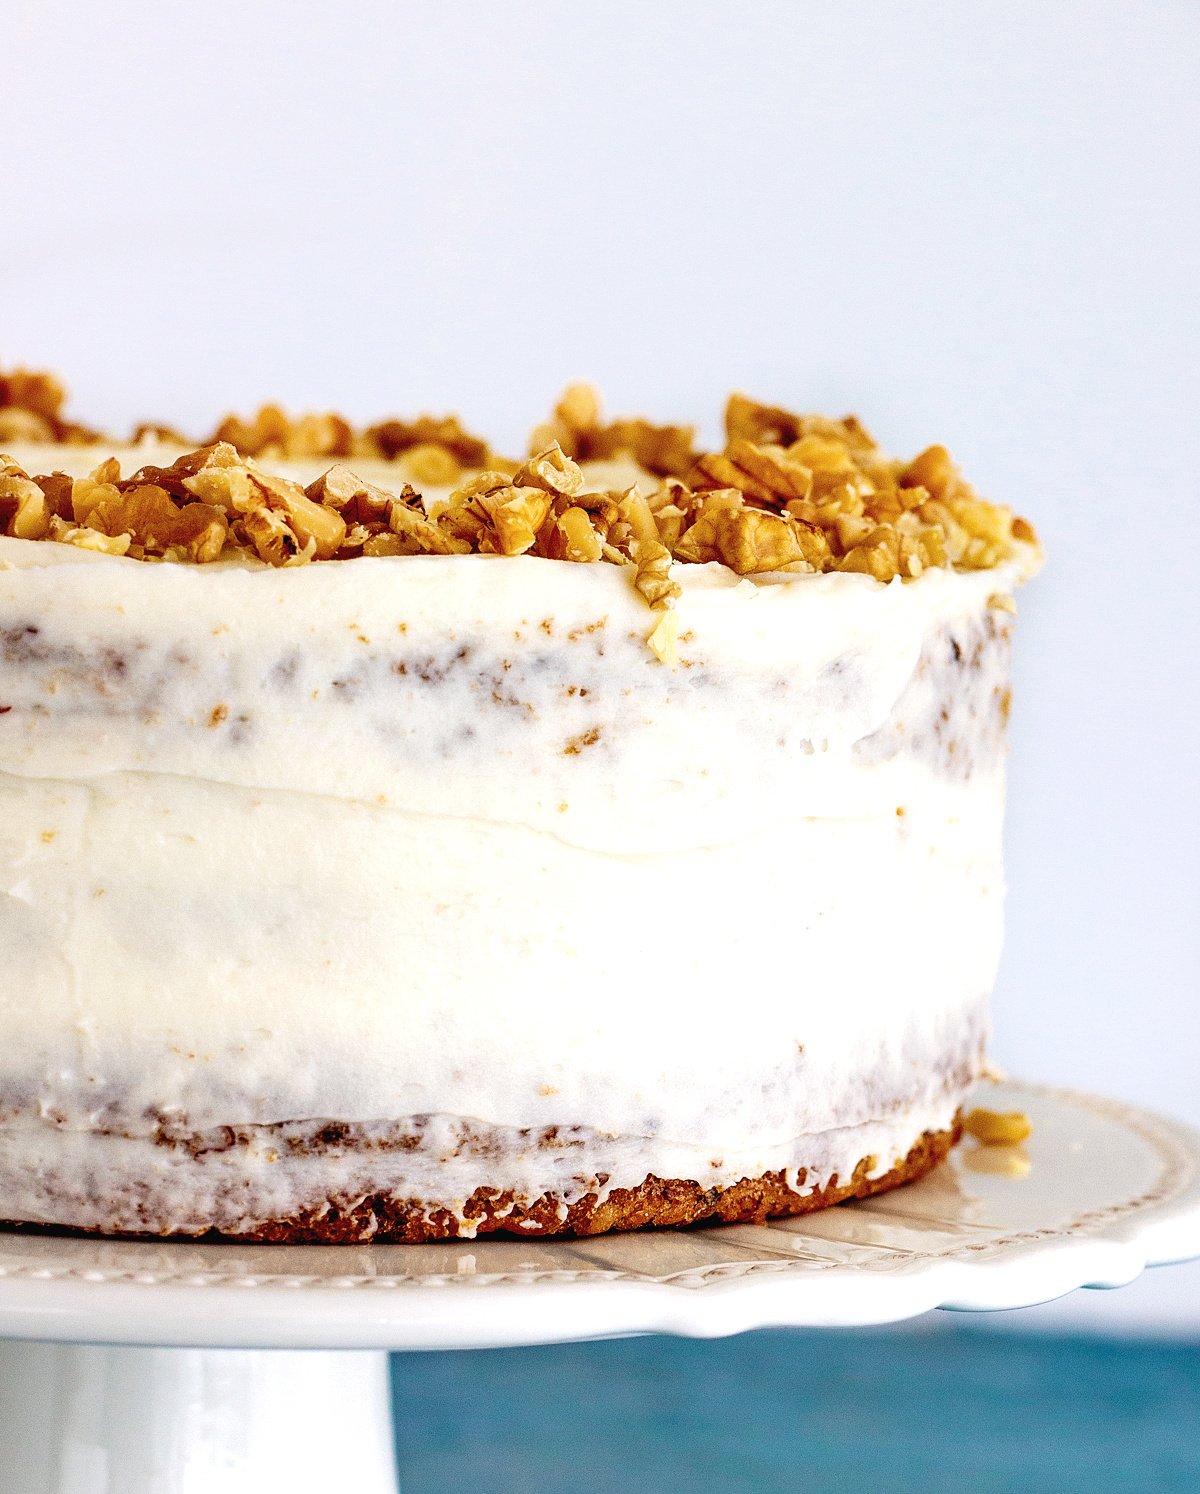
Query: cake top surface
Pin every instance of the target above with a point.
(787, 493)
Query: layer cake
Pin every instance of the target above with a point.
(430, 844)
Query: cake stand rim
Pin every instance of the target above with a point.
(73, 1305)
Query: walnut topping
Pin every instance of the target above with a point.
(393, 438)
(751, 541)
(26, 502)
(665, 450)
(31, 409)
(664, 638)
(272, 434)
(786, 493)
(572, 536)
(88, 539)
(156, 524)
(434, 465)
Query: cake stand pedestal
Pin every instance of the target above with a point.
(268, 1367)
(81, 1419)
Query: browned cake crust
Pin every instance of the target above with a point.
(656, 1203)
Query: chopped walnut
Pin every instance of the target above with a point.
(515, 514)
(579, 408)
(552, 471)
(665, 450)
(752, 541)
(653, 577)
(151, 520)
(26, 503)
(392, 438)
(273, 538)
(572, 536)
(40, 393)
(88, 539)
(31, 409)
(272, 433)
(24, 425)
(664, 638)
(435, 466)
(362, 505)
(408, 522)
(998, 1128)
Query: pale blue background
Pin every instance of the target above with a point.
(973, 223)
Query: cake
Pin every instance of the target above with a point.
(402, 843)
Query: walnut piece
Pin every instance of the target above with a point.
(665, 450)
(996, 1127)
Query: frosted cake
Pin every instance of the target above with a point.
(398, 842)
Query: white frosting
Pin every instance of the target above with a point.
(309, 658)
(390, 837)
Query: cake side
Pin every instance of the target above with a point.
(431, 932)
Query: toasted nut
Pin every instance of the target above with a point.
(314, 524)
(716, 470)
(318, 436)
(773, 467)
(878, 555)
(432, 466)
(23, 425)
(580, 542)
(357, 501)
(637, 513)
(57, 487)
(579, 408)
(933, 470)
(88, 539)
(391, 438)
(763, 424)
(551, 471)
(997, 1127)
(386, 544)
(664, 637)
(157, 525)
(40, 393)
(30, 510)
(933, 545)
(423, 535)
(752, 542)
(273, 538)
(653, 578)
(515, 516)
(851, 530)
(666, 450)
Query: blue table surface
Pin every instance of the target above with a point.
(927, 1407)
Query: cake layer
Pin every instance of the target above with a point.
(357, 963)
(331, 1188)
(517, 691)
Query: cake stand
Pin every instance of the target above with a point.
(176, 1368)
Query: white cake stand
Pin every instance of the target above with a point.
(1099, 1192)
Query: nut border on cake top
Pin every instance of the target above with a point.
(787, 493)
